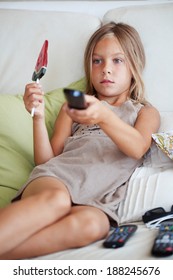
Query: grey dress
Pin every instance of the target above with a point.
(94, 170)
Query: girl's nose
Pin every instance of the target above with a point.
(107, 69)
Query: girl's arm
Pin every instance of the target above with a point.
(44, 149)
(33, 97)
(133, 141)
(62, 130)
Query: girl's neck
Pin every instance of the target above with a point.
(114, 100)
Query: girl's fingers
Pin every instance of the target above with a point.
(33, 98)
(33, 88)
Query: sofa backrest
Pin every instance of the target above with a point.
(22, 34)
(155, 26)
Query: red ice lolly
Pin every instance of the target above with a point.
(41, 65)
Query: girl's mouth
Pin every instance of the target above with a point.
(106, 81)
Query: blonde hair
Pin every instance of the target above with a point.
(132, 46)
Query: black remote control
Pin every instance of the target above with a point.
(75, 98)
(163, 243)
(119, 236)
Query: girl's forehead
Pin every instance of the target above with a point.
(110, 42)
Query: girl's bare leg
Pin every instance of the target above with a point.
(45, 201)
(81, 227)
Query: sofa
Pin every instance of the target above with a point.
(22, 33)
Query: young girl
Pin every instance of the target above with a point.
(72, 195)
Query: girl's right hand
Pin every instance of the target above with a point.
(34, 98)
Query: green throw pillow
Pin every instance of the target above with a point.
(16, 139)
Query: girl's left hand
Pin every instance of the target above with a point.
(93, 114)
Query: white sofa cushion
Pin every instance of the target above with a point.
(154, 24)
(148, 188)
(22, 34)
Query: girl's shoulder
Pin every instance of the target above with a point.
(149, 108)
(150, 114)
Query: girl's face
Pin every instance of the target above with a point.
(111, 76)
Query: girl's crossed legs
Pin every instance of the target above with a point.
(44, 221)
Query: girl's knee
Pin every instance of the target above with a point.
(48, 190)
(55, 198)
(90, 225)
(55, 201)
(96, 227)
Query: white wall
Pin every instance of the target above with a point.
(97, 8)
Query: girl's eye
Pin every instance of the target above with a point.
(118, 60)
(96, 61)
